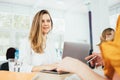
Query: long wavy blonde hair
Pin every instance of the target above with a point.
(36, 36)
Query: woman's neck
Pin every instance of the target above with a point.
(45, 36)
(44, 41)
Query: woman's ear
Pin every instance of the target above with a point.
(109, 37)
(101, 38)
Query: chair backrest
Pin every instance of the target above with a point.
(4, 66)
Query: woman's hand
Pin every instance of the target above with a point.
(98, 61)
(44, 67)
(68, 65)
(50, 66)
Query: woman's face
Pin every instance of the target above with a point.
(110, 36)
(46, 23)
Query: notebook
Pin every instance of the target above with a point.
(53, 72)
(76, 50)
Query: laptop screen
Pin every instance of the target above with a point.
(76, 50)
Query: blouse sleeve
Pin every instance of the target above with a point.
(25, 56)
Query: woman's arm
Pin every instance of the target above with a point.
(75, 66)
(25, 52)
(25, 56)
(44, 67)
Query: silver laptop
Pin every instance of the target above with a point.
(76, 50)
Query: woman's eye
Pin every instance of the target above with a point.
(48, 20)
(43, 21)
(109, 34)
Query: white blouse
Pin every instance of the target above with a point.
(30, 58)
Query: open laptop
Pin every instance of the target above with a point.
(76, 50)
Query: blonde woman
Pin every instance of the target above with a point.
(38, 53)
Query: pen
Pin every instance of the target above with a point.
(91, 59)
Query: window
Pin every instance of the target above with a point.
(13, 28)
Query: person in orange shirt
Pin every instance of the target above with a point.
(107, 35)
(111, 55)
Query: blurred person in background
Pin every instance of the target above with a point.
(10, 53)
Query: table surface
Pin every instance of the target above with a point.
(7, 75)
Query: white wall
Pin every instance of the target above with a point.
(76, 23)
(76, 28)
(13, 8)
(100, 19)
